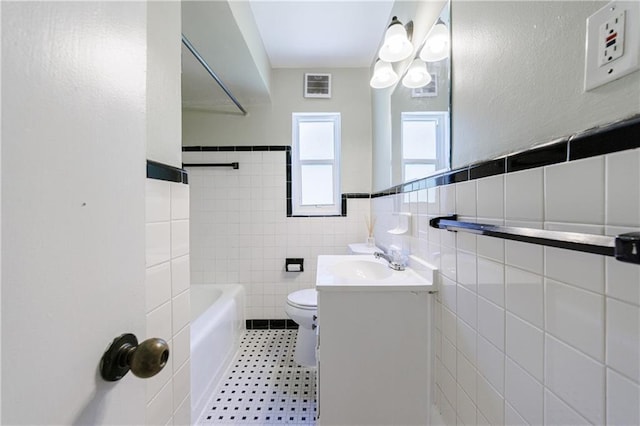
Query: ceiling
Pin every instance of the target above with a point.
(243, 40)
(332, 34)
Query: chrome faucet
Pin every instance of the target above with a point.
(391, 260)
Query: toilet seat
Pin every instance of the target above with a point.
(303, 299)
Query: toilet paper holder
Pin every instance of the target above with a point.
(294, 265)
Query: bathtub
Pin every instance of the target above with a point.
(217, 321)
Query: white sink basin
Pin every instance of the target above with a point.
(365, 272)
(362, 270)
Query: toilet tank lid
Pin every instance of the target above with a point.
(308, 297)
(362, 248)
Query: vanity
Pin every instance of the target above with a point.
(374, 349)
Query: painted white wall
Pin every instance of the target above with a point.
(163, 83)
(271, 124)
(243, 16)
(242, 69)
(73, 130)
(518, 70)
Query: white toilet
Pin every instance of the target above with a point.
(302, 307)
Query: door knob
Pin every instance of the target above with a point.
(144, 360)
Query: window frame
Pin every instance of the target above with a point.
(334, 209)
(442, 135)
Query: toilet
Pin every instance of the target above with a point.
(302, 307)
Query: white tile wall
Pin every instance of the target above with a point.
(575, 378)
(576, 317)
(491, 280)
(491, 363)
(524, 394)
(525, 345)
(466, 408)
(557, 413)
(239, 231)
(467, 376)
(574, 191)
(623, 400)
(623, 206)
(490, 197)
(467, 308)
(167, 295)
(623, 338)
(524, 198)
(556, 335)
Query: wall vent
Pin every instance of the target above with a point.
(317, 85)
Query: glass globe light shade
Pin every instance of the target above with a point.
(417, 75)
(396, 46)
(436, 48)
(383, 75)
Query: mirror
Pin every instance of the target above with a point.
(420, 117)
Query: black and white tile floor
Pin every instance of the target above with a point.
(264, 385)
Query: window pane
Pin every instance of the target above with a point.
(419, 139)
(316, 140)
(317, 184)
(417, 171)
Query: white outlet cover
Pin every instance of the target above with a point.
(612, 28)
(596, 75)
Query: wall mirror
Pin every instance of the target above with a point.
(421, 116)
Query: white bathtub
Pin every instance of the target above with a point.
(217, 321)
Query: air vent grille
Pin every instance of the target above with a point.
(317, 85)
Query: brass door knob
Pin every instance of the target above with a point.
(144, 360)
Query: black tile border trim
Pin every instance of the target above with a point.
(270, 324)
(164, 172)
(613, 137)
(236, 148)
(287, 150)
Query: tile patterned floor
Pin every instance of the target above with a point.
(263, 385)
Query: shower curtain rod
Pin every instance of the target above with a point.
(206, 66)
(625, 247)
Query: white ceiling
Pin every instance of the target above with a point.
(329, 33)
(233, 36)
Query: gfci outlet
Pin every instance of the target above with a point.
(612, 43)
(611, 39)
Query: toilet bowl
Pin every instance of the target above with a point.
(302, 307)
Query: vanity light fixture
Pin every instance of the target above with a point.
(383, 75)
(436, 47)
(417, 75)
(397, 41)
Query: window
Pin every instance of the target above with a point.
(316, 164)
(424, 148)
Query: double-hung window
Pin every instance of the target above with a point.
(316, 164)
(424, 147)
